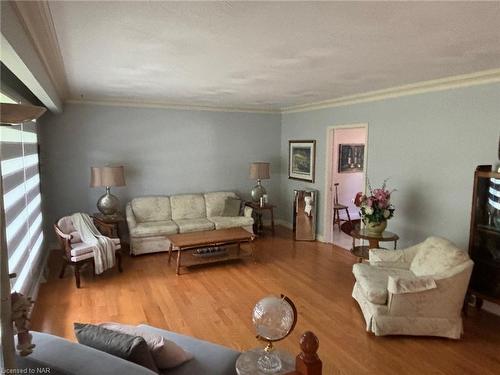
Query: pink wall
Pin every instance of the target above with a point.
(349, 183)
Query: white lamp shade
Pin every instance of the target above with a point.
(259, 170)
(107, 176)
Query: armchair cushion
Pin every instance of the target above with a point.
(154, 228)
(373, 280)
(80, 248)
(437, 255)
(147, 209)
(400, 285)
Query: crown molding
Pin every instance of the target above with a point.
(453, 82)
(167, 105)
(36, 18)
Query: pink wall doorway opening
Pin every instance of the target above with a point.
(346, 172)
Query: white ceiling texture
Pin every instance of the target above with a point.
(267, 55)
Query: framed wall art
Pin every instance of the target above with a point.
(351, 158)
(301, 160)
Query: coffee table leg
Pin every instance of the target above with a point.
(252, 249)
(169, 252)
(178, 261)
(272, 220)
(395, 244)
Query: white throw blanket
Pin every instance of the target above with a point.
(104, 248)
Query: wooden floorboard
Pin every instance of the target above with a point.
(214, 303)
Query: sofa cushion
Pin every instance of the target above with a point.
(129, 347)
(437, 255)
(194, 225)
(373, 280)
(188, 206)
(154, 228)
(215, 202)
(151, 209)
(208, 358)
(222, 222)
(72, 358)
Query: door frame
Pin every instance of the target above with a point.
(327, 207)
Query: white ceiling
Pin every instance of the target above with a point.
(267, 55)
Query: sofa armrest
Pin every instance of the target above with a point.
(398, 285)
(389, 258)
(247, 211)
(132, 223)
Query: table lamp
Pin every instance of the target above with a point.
(259, 171)
(108, 204)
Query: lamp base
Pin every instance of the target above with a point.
(257, 192)
(108, 204)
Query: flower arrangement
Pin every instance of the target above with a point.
(376, 207)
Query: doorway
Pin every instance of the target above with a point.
(346, 164)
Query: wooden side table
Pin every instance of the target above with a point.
(258, 225)
(109, 225)
(362, 252)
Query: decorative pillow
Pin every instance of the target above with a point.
(231, 207)
(129, 347)
(166, 353)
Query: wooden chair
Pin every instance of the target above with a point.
(308, 362)
(337, 207)
(76, 253)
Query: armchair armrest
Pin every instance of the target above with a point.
(398, 285)
(247, 211)
(132, 223)
(445, 300)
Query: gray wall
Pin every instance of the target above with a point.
(164, 151)
(429, 146)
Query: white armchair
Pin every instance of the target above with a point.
(416, 291)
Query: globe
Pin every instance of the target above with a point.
(274, 318)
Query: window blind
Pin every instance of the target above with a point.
(22, 204)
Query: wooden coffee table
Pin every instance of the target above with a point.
(186, 243)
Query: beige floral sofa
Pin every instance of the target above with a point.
(151, 219)
(416, 291)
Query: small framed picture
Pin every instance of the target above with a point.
(301, 160)
(351, 158)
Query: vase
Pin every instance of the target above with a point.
(375, 228)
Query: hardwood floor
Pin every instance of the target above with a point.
(214, 303)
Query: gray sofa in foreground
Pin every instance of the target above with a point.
(65, 357)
